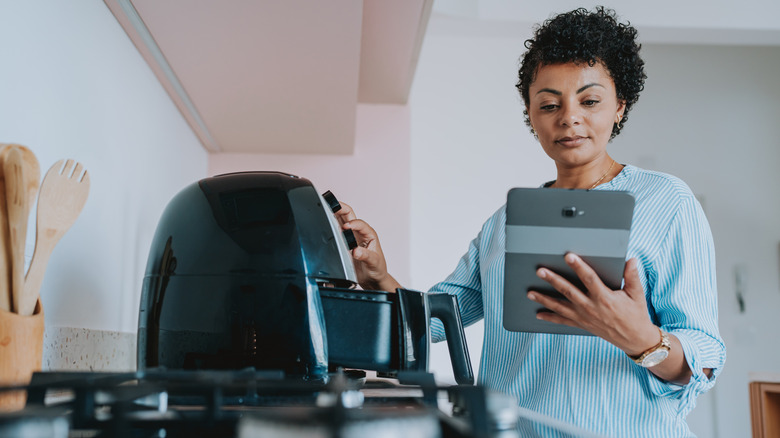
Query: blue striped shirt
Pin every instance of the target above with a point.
(584, 380)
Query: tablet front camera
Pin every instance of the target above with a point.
(570, 211)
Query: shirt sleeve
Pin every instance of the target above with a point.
(465, 283)
(684, 301)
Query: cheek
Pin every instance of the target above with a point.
(539, 124)
(531, 118)
(603, 124)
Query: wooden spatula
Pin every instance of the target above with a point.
(19, 183)
(64, 191)
(16, 170)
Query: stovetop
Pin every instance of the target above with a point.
(246, 403)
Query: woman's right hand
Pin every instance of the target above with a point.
(370, 264)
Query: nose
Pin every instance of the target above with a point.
(570, 115)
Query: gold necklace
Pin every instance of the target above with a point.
(602, 176)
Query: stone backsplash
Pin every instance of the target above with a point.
(79, 349)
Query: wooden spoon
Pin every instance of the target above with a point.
(19, 183)
(64, 191)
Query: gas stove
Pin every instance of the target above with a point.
(245, 403)
(249, 403)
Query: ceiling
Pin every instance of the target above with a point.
(277, 76)
(696, 22)
(271, 76)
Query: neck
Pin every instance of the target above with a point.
(588, 176)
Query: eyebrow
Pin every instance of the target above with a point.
(558, 93)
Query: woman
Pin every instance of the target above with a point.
(657, 345)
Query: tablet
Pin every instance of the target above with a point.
(542, 225)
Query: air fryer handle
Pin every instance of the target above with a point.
(445, 307)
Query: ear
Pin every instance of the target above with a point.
(527, 114)
(621, 108)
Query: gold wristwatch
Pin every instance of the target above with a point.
(656, 354)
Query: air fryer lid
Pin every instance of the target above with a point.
(253, 222)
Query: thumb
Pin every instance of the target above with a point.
(633, 286)
(364, 255)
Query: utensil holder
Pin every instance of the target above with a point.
(21, 353)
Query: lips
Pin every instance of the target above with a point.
(572, 141)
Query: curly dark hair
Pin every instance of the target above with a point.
(593, 37)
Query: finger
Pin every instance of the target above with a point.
(560, 307)
(345, 214)
(564, 286)
(371, 259)
(363, 231)
(360, 254)
(590, 279)
(557, 319)
(633, 285)
(365, 235)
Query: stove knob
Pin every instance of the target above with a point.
(350, 236)
(332, 201)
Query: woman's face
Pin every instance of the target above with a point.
(572, 108)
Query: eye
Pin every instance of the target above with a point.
(590, 102)
(548, 107)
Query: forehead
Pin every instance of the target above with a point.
(571, 76)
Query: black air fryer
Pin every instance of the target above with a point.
(252, 269)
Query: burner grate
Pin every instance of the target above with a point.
(163, 403)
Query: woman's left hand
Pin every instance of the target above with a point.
(618, 316)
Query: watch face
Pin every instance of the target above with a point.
(655, 358)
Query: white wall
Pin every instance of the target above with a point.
(708, 115)
(72, 85)
(374, 180)
(469, 147)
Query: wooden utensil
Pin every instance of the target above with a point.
(64, 191)
(5, 255)
(14, 225)
(16, 205)
(32, 170)
(18, 208)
